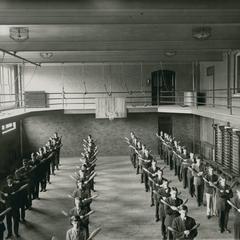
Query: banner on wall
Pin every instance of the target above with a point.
(111, 107)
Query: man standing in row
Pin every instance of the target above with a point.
(211, 180)
(184, 227)
(12, 202)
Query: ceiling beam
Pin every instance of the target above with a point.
(137, 16)
(210, 45)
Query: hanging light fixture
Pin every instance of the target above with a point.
(19, 34)
(201, 33)
(46, 55)
(170, 53)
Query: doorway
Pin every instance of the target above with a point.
(163, 87)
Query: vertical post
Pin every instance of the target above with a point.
(21, 137)
(158, 87)
(16, 86)
(63, 96)
(197, 80)
(193, 85)
(228, 80)
(213, 85)
(23, 87)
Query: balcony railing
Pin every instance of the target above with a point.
(217, 98)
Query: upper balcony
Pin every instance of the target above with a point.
(219, 104)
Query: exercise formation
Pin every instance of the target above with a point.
(201, 181)
(82, 194)
(197, 176)
(22, 187)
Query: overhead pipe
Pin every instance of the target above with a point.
(24, 59)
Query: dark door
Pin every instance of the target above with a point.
(165, 123)
(163, 87)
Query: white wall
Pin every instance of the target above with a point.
(52, 78)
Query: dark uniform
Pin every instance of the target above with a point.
(198, 182)
(175, 156)
(35, 176)
(72, 234)
(77, 232)
(160, 146)
(58, 145)
(223, 208)
(23, 174)
(84, 222)
(171, 214)
(162, 193)
(236, 223)
(12, 202)
(2, 226)
(179, 164)
(180, 225)
(186, 162)
(43, 171)
(152, 177)
(165, 150)
(170, 154)
(191, 188)
(137, 163)
(146, 163)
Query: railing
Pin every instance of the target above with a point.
(217, 98)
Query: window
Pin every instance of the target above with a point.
(8, 127)
(7, 87)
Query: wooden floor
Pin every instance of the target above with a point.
(122, 209)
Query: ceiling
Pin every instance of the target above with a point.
(120, 31)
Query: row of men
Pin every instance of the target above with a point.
(82, 194)
(169, 208)
(200, 178)
(23, 186)
(197, 177)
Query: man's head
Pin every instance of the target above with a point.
(174, 192)
(160, 173)
(198, 160)
(132, 135)
(25, 163)
(154, 164)
(139, 144)
(183, 211)
(179, 149)
(33, 156)
(9, 180)
(77, 202)
(80, 184)
(210, 170)
(89, 138)
(75, 221)
(146, 152)
(238, 191)
(222, 181)
(165, 184)
(184, 151)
